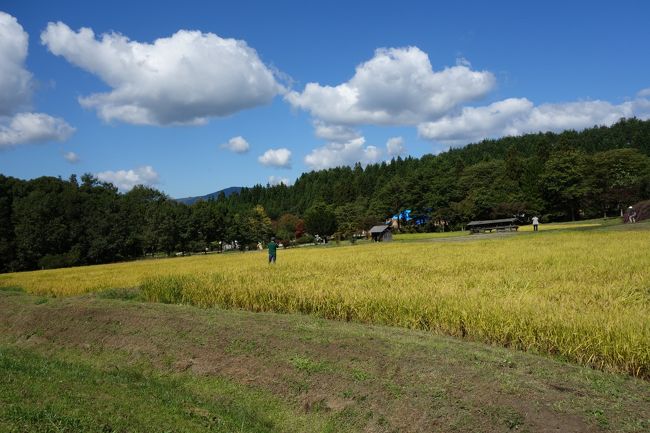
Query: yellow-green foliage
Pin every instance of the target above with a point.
(583, 295)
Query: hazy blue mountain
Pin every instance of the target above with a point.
(227, 192)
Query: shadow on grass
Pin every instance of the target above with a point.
(124, 294)
(12, 289)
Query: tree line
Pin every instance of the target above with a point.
(50, 222)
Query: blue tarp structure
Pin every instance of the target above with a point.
(405, 215)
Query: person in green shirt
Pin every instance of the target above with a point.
(273, 247)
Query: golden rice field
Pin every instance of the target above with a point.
(422, 236)
(583, 295)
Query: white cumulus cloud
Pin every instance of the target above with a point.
(18, 126)
(277, 180)
(33, 128)
(644, 93)
(125, 180)
(517, 116)
(182, 79)
(395, 146)
(71, 157)
(337, 133)
(337, 154)
(398, 86)
(15, 80)
(276, 158)
(236, 144)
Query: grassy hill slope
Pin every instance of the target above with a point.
(85, 363)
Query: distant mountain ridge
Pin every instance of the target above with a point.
(212, 195)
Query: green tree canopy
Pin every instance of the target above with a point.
(320, 220)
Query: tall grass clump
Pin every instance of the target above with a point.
(581, 295)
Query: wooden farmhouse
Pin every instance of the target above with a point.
(381, 233)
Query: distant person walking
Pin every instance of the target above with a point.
(535, 223)
(631, 215)
(273, 248)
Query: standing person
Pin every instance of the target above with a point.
(535, 223)
(631, 214)
(273, 247)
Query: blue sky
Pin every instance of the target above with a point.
(192, 97)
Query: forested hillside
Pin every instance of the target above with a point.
(542, 173)
(51, 222)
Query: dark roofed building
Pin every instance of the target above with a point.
(504, 224)
(381, 233)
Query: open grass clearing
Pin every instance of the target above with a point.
(584, 224)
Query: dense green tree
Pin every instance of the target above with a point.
(44, 223)
(289, 227)
(617, 178)
(349, 219)
(137, 213)
(9, 191)
(104, 229)
(207, 220)
(259, 225)
(320, 220)
(564, 179)
(391, 199)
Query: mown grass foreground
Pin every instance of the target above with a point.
(581, 294)
(93, 365)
